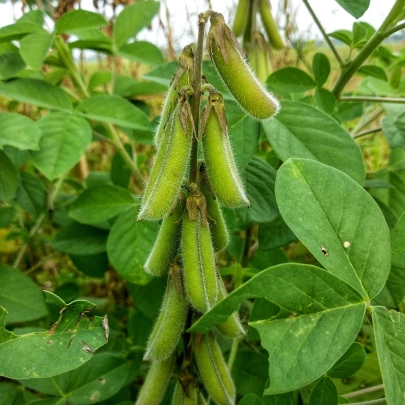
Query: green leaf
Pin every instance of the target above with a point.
(325, 100)
(92, 265)
(16, 31)
(324, 393)
(67, 345)
(19, 131)
(275, 234)
(259, 179)
(100, 203)
(125, 86)
(8, 178)
(114, 110)
(338, 221)
(162, 74)
(320, 68)
(389, 329)
(302, 131)
(31, 195)
(290, 80)
(34, 48)
(132, 19)
(129, 244)
(64, 140)
(82, 240)
(95, 381)
(359, 35)
(120, 170)
(349, 363)
(37, 92)
(11, 393)
(10, 64)
(282, 399)
(394, 131)
(250, 399)
(143, 52)
(22, 298)
(99, 79)
(250, 372)
(244, 136)
(343, 36)
(78, 20)
(373, 71)
(300, 350)
(354, 7)
(33, 17)
(398, 243)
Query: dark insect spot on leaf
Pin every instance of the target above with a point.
(87, 348)
(102, 380)
(49, 342)
(324, 251)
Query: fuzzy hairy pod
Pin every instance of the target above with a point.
(220, 165)
(199, 269)
(156, 382)
(259, 57)
(170, 322)
(181, 397)
(241, 17)
(270, 25)
(232, 327)
(213, 369)
(219, 231)
(229, 61)
(166, 245)
(166, 177)
(182, 77)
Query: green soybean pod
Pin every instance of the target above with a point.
(199, 268)
(169, 325)
(270, 25)
(220, 165)
(163, 188)
(232, 327)
(241, 17)
(182, 77)
(219, 231)
(229, 61)
(156, 382)
(166, 245)
(181, 397)
(213, 370)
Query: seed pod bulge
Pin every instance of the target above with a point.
(220, 165)
(166, 245)
(182, 77)
(232, 327)
(228, 59)
(180, 397)
(169, 168)
(270, 25)
(156, 382)
(241, 17)
(199, 270)
(213, 370)
(170, 323)
(219, 231)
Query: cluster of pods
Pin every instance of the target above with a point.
(193, 227)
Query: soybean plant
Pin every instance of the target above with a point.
(193, 227)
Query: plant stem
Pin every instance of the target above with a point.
(196, 97)
(233, 353)
(371, 99)
(364, 391)
(350, 69)
(399, 27)
(367, 132)
(372, 402)
(363, 123)
(324, 34)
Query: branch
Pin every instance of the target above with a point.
(364, 391)
(399, 27)
(379, 401)
(367, 132)
(324, 34)
(371, 99)
(350, 69)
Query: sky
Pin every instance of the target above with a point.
(331, 15)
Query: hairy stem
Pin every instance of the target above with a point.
(364, 391)
(324, 34)
(350, 69)
(371, 99)
(196, 97)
